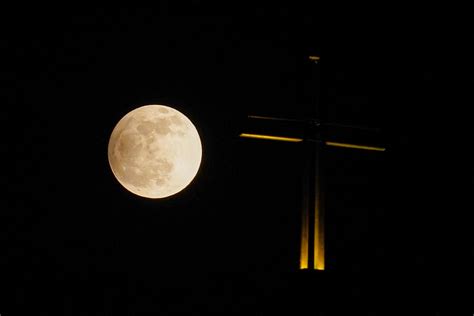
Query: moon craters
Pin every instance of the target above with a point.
(154, 151)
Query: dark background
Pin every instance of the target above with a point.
(74, 242)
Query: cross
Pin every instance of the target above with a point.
(312, 243)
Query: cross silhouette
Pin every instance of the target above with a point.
(312, 240)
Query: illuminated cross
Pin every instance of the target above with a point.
(312, 244)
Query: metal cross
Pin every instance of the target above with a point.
(312, 243)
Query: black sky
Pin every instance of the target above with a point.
(75, 242)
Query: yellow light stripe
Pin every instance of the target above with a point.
(271, 137)
(304, 247)
(345, 145)
(314, 58)
(318, 234)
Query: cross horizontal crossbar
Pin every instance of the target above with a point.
(296, 140)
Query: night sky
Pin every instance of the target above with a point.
(75, 242)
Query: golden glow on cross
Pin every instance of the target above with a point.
(345, 145)
(271, 137)
(297, 140)
(314, 58)
(318, 263)
(304, 247)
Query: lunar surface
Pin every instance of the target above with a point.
(154, 151)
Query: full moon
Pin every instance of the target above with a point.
(154, 151)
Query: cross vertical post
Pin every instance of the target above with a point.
(312, 250)
(312, 238)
